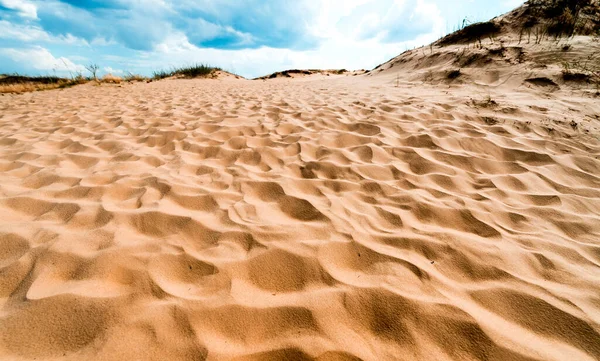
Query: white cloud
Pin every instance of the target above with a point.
(40, 58)
(344, 34)
(339, 47)
(69, 39)
(29, 33)
(176, 42)
(103, 42)
(79, 58)
(110, 70)
(391, 20)
(25, 8)
(335, 52)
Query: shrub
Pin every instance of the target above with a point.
(93, 69)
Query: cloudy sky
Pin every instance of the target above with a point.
(248, 37)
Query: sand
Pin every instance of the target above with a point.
(330, 218)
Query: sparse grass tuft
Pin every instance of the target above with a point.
(587, 70)
(161, 74)
(471, 33)
(191, 71)
(134, 77)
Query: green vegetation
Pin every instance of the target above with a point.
(191, 71)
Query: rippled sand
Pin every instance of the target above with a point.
(327, 219)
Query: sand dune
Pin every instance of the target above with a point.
(445, 206)
(344, 219)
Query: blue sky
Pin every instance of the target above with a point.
(248, 37)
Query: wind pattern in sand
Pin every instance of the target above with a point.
(328, 220)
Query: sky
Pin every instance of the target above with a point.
(247, 37)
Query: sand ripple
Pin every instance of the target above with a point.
(306, 220)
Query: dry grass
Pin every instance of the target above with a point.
(471, 33)
(583, 70)
(134, 77)
(17, 84)
(111, 79)
(558, 18)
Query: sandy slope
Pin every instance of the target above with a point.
(339, 219)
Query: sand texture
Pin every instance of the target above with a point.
(333, 218)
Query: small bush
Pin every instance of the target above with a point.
(93, 69)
